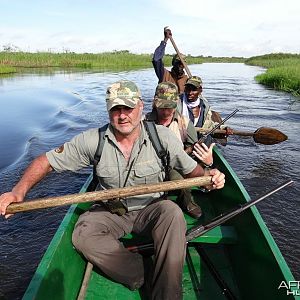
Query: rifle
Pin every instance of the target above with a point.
(189, 149)
(199, 230)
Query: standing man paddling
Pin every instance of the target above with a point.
(176, 75)
(128, 159)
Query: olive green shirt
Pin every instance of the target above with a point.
(113, 168)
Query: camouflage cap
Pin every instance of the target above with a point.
(176, 58)
(195, 81)
(166, 95)
(123, 92)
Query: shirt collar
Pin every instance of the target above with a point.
(142, 138)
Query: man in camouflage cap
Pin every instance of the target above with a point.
(123, 92)
(125, 108)
(166, 95)
(164, 112)
(176, 75)
(195, 81)
(128, 158)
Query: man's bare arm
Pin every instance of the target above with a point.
(35, 172)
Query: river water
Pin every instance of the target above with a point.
(42, 109)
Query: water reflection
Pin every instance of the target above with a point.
(40, 111)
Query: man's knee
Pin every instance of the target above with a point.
(172, 210)
(84, 232)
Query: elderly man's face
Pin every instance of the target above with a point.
(164, 114)
(124, 119)
(192, 92)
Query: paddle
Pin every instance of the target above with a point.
(263, 135)
(107, 194)
(189, 150)
(179, 54)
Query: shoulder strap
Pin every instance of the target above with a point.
(97, 156)
(207, 106)
(159, 149)
(100, 146)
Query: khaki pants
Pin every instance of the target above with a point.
(96, 236)
(184, 196)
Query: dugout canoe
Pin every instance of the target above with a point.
(244, 258)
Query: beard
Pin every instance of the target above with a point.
(126, 126)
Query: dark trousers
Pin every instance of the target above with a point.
(96, 236)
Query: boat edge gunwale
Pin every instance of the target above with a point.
(41, 270)
(286, 272)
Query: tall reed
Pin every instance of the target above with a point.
(112, 60)
(7, 69)
(283, 71)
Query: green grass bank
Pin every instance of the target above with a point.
(106, 60)
(283, 71)
(7, 69)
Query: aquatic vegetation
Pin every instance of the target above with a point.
(283, 71)
(7, 69)
(105, 60)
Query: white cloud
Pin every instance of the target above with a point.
(236, 27)
(215, 27)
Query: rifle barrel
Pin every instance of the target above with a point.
(222, 122)
(199, 230)
(189, 150)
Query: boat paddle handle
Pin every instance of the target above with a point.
(179, 55)
(109, 194)
(262, 135)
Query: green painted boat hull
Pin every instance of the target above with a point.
(242, 250)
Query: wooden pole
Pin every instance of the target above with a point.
(223, 131)
(179, 55)
(108, 194)
(85, 282)
(263, 135)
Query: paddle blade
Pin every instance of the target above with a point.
(268, 136)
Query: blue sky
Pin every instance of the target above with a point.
(214, 27)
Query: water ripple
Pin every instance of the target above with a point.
(43, 111)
